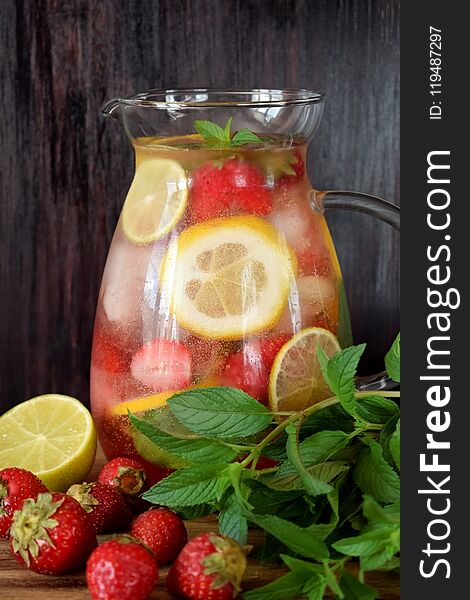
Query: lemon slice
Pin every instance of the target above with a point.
(156, 200)
(53, 436)
(228, 277)
(144, 403)
(296, 380)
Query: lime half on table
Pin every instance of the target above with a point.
(51, 435)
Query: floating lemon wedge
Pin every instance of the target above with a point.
(53, 436)
(296, 380)
(137, 405)
(228, 277)
(156, 200)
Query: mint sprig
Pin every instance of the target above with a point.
(216, 136)
(333, 496)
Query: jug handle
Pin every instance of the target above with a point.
(322, 201)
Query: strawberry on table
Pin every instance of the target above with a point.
(210, 567)
(163, 531)
(121, 569)
(15, 486)
(249, 368)
(52, 534)
(125, 474)
(105, 506)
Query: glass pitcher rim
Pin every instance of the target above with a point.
(273, 97)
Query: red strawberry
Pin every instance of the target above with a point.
(248, 187)
(105, 506)
(249, 368)
(107, 355)
(211, 193)
(298, 165)
(162, 365)
(125, 474)
(15, 486)
(210, 567)
(52, 534)
(233, 188)
(121, 569)
(163, 531)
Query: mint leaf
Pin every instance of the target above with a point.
(295, 454)
(298, 565)
(220, 412)
(353, 589)
(227, 128)
(287, 478)
(385, 437)
(245, 136)
(232, 522)
(197, 451)
(392, 360)
(319, 447)
(315, 587)
(332, 417)
(285, 587)
(367, 543)
(190, 486)
(388, 515)
(270, 502)
(339, 372)
(395, 445)
(312, 486)
(296, 538)
(189, 513)
(211, 132)
(375, 548)
(332, 582)
(375, 476)
(376, 409)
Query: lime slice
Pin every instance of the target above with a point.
(156, 200)
(53, 436)
(164, 420)
(228, 277)
(296, 380)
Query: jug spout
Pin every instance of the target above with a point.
(112, 108)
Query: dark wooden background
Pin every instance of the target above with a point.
(64, 171)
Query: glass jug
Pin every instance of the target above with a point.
(220, 258)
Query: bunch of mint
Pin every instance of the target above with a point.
(334, 494)
(215, 136)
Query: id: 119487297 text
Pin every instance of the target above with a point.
(435, 65)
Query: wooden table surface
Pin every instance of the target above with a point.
(20, 584)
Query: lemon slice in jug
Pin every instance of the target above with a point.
(296, 381)
(228, 277)
(156, 200)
